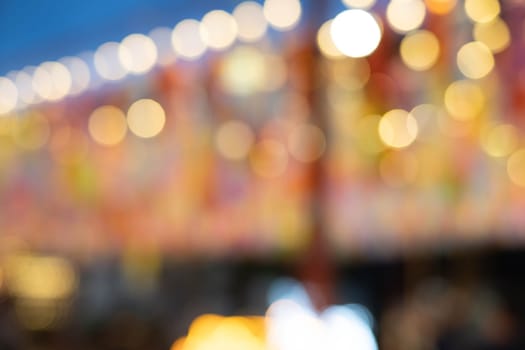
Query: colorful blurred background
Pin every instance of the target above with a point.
(275, 174)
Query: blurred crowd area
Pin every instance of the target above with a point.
(464, 300)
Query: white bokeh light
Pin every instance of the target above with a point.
(355, 33)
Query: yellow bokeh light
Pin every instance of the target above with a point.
(306, 143)
(516, 167)
(398, 128)
(351, 74)
(80, 75)
(500, 140)
(8, 95)
(276, 72)
(146, 118)
(405, 15)
(234, 140)
(107, 125)
(475, 60)
(325, 42)
(251, 23)
(218, 29)
(243, 71)
(367, 134)
(494, 34)
(282, 14)
(30, 131)
(269, 158)
(187, 40)
(398, 169)
(52, 81)
(40, 277)
(355, 33)
(464, 100)
(137, 53)
(482, 11)
(440, 7)
(420, 50)
(108, 59)
(361, 4)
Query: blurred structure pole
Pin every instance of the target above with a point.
(316, 268)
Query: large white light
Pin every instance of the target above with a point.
(355, 33)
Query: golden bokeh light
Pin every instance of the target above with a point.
(187, 40)
(500, 140)
(282, 14)
(8, 95)
(108, 58)
(325, 42)
(351, 73)
(107, 125)
(137, 53)
(243, 71)
(516, 167)
(464, 100)
(218, 29)
(482, 11)
(146, 118)
(30, 131)
(251, 23)
(398, 128)
(24, 84)
(367, 134)
(234, 140)
(52, 81)
(80, 75)
(427, 120)
(440, 7)
(269, 158)
(405, 15)
(356, 33)
(420, 50)
(276, 72)
(494, 34)
(361, 4)
(398, 169)
(40, 277)
(475, 60)
(306, 143)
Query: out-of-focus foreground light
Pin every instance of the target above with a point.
(243, 71)
(107, 125)
(440, 7)
(30, 131)
(500, 140)
(80, 75)
(269, 158)
(405, 15)
(218, 29)
(516, 167)
(362, 4)
(420, 50)
(108, 61)
(325, 43)
(137, 53)
(494, 34)
(306, 143)
(482, 11)
(251, 23)
(146, 118)
(234, 139)
(282, 14)
(475, 60)
(187, 40)
(464, 100)
(8, 95)
(52, 81)
(398, 128)
(355, 33)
